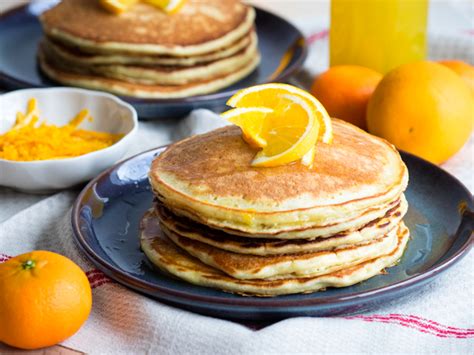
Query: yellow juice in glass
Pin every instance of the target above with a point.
(379, 34)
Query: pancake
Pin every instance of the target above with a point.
(324, 230)
(245, 266)
(168, 257)
(208, 178)
(201, 26)
(78, 58)
(187, 228)
(171, 75)
(146, 53)
(145, 91)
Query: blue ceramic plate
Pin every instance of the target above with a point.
(107, 213)
(20, 32)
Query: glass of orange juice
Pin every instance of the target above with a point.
(379, 34)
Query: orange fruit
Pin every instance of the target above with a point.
(423, 108)
(44, 299)
(344, 91)
(465, 70)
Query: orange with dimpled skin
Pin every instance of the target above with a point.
(463, 69)
(423, 108)
(344, 90)
(44, 299)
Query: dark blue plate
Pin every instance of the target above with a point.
(279, 43)
(106, 216)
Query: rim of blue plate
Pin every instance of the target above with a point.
(300, 42)
(139, 284)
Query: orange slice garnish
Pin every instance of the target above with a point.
(286, 133)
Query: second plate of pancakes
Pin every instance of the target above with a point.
(106, 222)
(281, 46)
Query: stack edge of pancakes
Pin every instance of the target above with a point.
(221, 223)
(207, 45)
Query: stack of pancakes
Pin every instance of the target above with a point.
(218, 222)
(207, 45)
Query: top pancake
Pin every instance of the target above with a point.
(200, 26)
(209, 178)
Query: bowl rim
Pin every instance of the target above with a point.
(93, 93)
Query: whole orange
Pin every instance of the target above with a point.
(423, 108)
(44, 299)
(465, 70)
(344, 91)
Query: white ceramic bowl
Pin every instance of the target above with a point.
(58, 106)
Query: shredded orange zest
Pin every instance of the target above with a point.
(30, 140)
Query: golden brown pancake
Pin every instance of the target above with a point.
(208, 178)
(245, 266)
(260, 246)
(168, 257)
(77, 58)
(220, 222)
(141, 90)
(147, 53)
(158, 75)
(324, 230)
(201, 26)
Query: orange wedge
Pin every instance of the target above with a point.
(168, 6)
(286, 134)
(117, 6)
(269, 95)
(308, 158)
(290, 132)
(251, 121)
